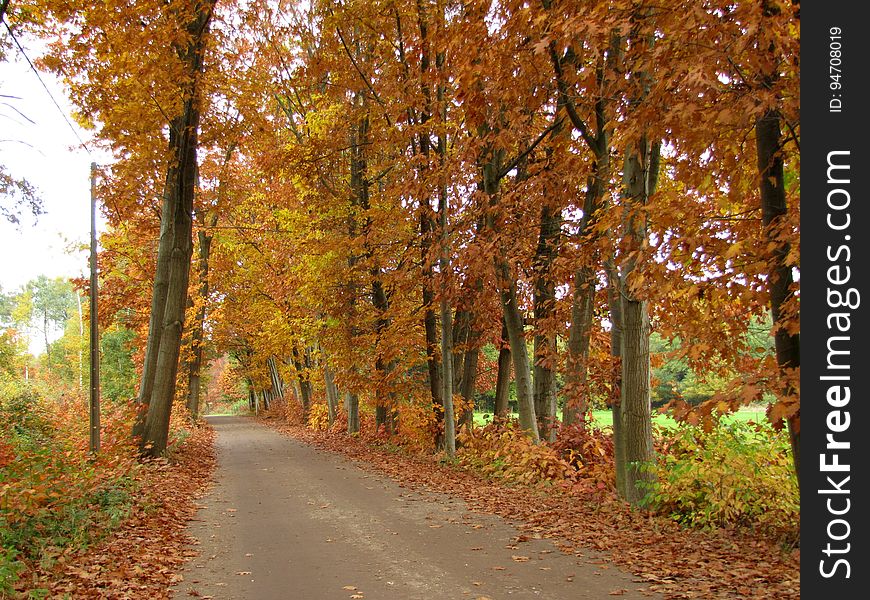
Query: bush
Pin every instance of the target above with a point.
(54, 495)
(590, 451)
(23, 413)
(737, 476)
(318, 417)
(503, 451)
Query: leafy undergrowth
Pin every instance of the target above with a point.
(77, 526)
(580, 458)
(666, 557)
(737, 476)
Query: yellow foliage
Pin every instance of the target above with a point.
(318, 417)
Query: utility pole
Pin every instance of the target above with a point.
(95, 329)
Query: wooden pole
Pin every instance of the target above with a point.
(95, 329)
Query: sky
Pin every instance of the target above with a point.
(47, 153)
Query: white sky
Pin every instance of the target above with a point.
(48, 155)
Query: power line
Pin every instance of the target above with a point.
(45, 87)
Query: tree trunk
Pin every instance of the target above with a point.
(194, 365)
(513, 319)
(158, 290)
(381, 305)
(636, 414)
(331, 392)
(640, 174)
(461, 323)
(583, 299)
(768, 140)
(156, 431)
(544, 308)
(275, 377)
(446, 332)
(183, 159)
(576, 376)
(503, 378)
(614, 301)
(352, 404)
(252, 401)
(430, 320)
(468, 384)
(302, 375)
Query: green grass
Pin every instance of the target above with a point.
(604, 418)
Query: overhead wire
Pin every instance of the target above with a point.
(44, 86)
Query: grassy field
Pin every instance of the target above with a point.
(604, 418)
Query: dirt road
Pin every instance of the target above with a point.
(286, 521)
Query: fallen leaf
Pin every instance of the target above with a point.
(520, 558)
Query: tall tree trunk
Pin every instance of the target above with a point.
(503, 377)
(461, 324)
(468, 380)
(640, 173)
(252, 401)
(302, 375)
(352, 405)
(359, 190)
(513, 320)
(446, 330)
(194, 365)
(155, 433)
(156, 430)
(583, 299)
(275, 376)
(430, 320)
(381, 304)
(158, 290)
(768, 144)
(331, 392)
(598, 141)
(768, 138)
(544, 308)
(614, 301)
(579, 333)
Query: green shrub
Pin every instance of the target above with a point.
(737, 476)
(23, 413)
(10, 566)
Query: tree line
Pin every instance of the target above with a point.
(356, 197)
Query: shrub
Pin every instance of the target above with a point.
(55, 495)
(23, 412)
(503, 451)
(738, 476)
(590, 451)
(318, 417)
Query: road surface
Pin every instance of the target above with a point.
(287, 521)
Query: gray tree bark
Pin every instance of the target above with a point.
(503, 378)
(331, 392)
(155, 432)
(640, 174)
(544, 308)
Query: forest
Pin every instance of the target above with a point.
(555, 243)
